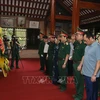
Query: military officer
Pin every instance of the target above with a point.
(63, 56)
(45, 51)
(79, 48)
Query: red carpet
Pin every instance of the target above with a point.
(26, 84)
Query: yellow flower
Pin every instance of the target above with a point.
(0, 30)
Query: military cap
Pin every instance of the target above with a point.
(80, 32)
(45, 37)
(41, 33)
(79, 29)
(64, 33)
(52, 36)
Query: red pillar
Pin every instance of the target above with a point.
(75, 15)
(52, 17)
(45, 27)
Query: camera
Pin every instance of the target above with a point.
(5, 39)
(14, 38)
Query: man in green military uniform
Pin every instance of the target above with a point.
(40, 51)
(63, 56)
(77, 56)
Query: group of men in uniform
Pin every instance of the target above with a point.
(57, 53)
(57, 57)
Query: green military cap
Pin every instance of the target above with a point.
(52, 36)
(64, 33)
(41, 33)
(45, 37)
(79, 31)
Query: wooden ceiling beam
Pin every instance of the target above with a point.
(89, 5)
(48, 13)
(65, 7)
(21, 13)
(14, 7)
(25, 7)
(22, 9)
(47, 3)
(62, 17)
(90, 15)
(18, 7)
(31, 9)
(3, 6)
(44, 8)
(41, 11)
(36, 19)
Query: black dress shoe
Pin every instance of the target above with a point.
(77, 99)
(18, 67)
(11, 67)
(55, 83)
(63, 89)
(74, 96)
(42, 70)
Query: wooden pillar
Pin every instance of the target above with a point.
(75, 15)
(14, 31)
(52, 17)
(45, 27)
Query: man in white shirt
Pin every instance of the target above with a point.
(45, 51)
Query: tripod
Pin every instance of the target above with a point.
(17, 59)
(21, 60)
